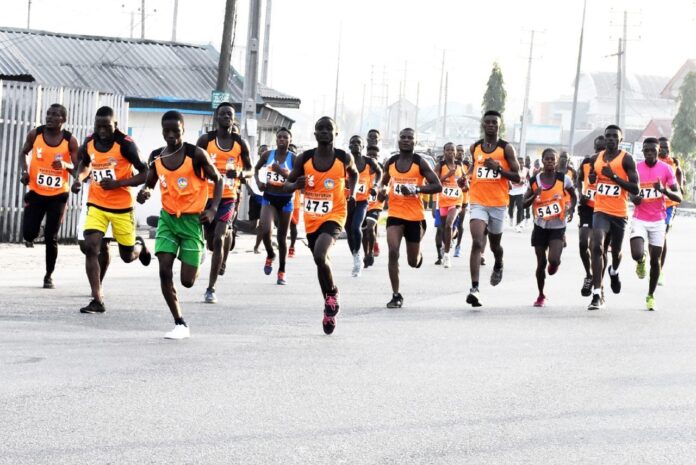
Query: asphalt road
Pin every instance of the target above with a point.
(432, 383)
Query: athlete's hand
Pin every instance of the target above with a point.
(76, 186)
(584, 199)
(491, 164)
(109, 184)
(261, 185)
(658, 186)
(373, 192)
(408, 190)
(301, 182)
(58, 164)
(143, 195)
(24, 178)
(232, 174)
(351, 202)
(382, 194)
(275, 167)
(538, 191)
(462, 182)
(607, 171)
(636, 199)
(570, 215)
(208, 216)
(592, 177)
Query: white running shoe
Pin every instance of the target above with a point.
(179, 332)
(446, 261)
(518, 228)
(357, 264)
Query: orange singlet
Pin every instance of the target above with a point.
(324, 197)
(362, 190)
(488, 188)
(670, 161)
(451, 195)
(110, 165)
(43, 179)
(183, 190)
(551, 204)
(588, 189)
(410, 207)
(225, 160)
(611, 198)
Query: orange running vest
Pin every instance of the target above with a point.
(362, 190)
(670, 161)
(410, 207)
(488, 188)
(611, 198)
(451, 195)
(225, 160)
(588, 189)
(551, 204)
(43, 179)
(183, 190)
(324, 197)
(109, 165)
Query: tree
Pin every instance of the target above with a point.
(494, 98)
(684, 124)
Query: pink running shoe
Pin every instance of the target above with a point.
(541, 301)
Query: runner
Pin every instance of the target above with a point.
(451, 174)
(368, 170)
(48, 155)
(657, 185)
(278, 164)
(322, 173)
(615, 173)
(256, 201)
(182, 170)
(586, 194)
(459, 223)
(404, 175)
(296, 209)
(374, 139)
(374, 209)
(230, 154)
(665, 156)
(547, 194)
(516, 194)
(108, 157)
(494, 164)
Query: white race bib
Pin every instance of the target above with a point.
(400, 191)
(486, 173)
(372, 198)
(650, 193)
(317, 207)
(361, 188)
(49, 180)
(590, 194)
(547, 212)
(100, 175)
(274, 178)
(608, 190)
(451, 192)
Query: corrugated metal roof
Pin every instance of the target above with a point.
(135, 68)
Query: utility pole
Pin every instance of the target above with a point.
(525, 110)
(439, 101)
(142, 19)
(266, 43)
(132, 26)
(251, 72)
(619, 82)
(622, 117)
(573, 114)
(444, 119)
(176, 14)
(362, 109)
(29, 14)
(223, 73)
(415, 123)
(338, 68)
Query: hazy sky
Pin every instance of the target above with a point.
(392, 34)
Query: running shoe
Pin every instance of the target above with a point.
(597, 303)
(291, 252)
(94, 306)
(179, 332)
(483, 260)
(370, 260)
(640, 268)
(375, 250)
(268, 267)
(474, 297)
(223, 268)
(518, 228)
(281, 279)
(650, 303)
(329, 324)
(209, 296)
(541, 301)
(496, 276)
(397, 301)
(446, 261)
(661, 279)
(48, 283)
(552, 269)
(331, 303)
(615, 283)
(586, 290)
(438, 261)
(145, 256)
(457, 252)
(28, 245)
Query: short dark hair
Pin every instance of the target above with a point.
(599, 137)
(173, 115)
(374, 130)
(449, 143)
(493, 113)
(407, 129)
(105, 111)
(651, 140)
(225, 104)
(663, 139)
(548, 149)
(329, 119)
(613, 126)
(284, 129)
(63, 111)
(372, 147)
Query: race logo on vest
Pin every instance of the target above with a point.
(182, 182)
(310, 180)
(39, 153)
(163, 180)
(329, 184)
(112, 161)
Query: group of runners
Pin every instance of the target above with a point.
(335, 190)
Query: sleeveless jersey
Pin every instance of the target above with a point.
(43, 179)
(183, 190)
(488, 188)
(277, 179)
(670, 161)
(324, 199)
(110, 165)
(225, 160)
(451, 195)
(611, 198)
(588, 189)
(410, 207)
(551, 204)
(362, 190)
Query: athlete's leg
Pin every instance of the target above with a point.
(189, 273)
(584, 235)
(354, 225)
(617, 235)
(93, 245)
(394, 235)
(322, 246)
(33, 215)
(282, 237)
(598, 256)
(54, 218)
(349, 226)
(555, 251)
(460, 226)
(663, 257)
(413, 254)
(217, 237)
(266, 226)
(511, 207)
(448, 224)
(655, 267)
(439, 233)
(104, 258)
(637, 248)
(540, 252)
(293, 234)
(478, 243)
(496, 248)
(166, 272)
(519, 204)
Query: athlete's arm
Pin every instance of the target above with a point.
(376, 170)
(352, 172)
(296, 178)
(382, 188)
(514, 173)
(529, 196)
(202, 160)
(629, 166)
(24, 152)
(579, 179)
(259, 164)
(202, 141)
(73, 147)
(247, 170)
(570, 189)
(672, 191)
(434, 186)
(150, 181)
(83, 168)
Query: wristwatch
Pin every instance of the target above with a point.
(418, 190)
(499, 169)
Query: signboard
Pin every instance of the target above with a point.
(217, 97)
(627, 146)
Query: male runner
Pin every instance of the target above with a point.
(255, 202)
(374, 139)
(108, 157)
(182, 170)
(450, 173)
(230, 154)
(296, 210)
(517, 191)
(615, 173)
(276, 203)
(586, 195)
(547, 195)
(368, 169)
(374, 209)
(322, 173)
(493, 165)
(459, 223)
(666, 157)
(48, 155)
(657, 184)
(404, 175)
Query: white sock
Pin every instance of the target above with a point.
(612, 271)
(597, 292)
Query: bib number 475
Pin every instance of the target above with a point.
(318, 207)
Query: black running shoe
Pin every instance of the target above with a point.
(597, 303)
(438, 261)
(586, 287)
(615, 283)
(329, 324)
(483, 261)
(94, 307)
(331, 304)
(397, 301)
(496, 276)
(145, 256)
(48, 283)
(474, 297)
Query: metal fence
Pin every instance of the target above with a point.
(22, 107)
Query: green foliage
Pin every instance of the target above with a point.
(684, 124)
(494, 98)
